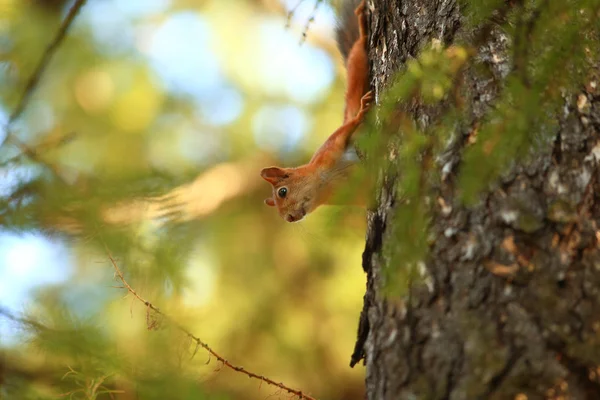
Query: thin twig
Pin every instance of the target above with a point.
(21, 320)
(44, 61)
(291, 13)
(33, 152)
(33, 82)
(311, 19)
(199, 342)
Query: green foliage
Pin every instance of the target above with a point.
(430, 79)
(480, 12)
(96, 366)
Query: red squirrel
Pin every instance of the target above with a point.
(298, 191)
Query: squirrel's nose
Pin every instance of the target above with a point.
(290, 218)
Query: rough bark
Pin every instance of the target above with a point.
(512, 304)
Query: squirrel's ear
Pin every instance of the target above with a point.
(273, 174)
(270, 202)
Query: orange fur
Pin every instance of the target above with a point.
(357, 66)
(298, 191)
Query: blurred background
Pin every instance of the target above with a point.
(144, 139)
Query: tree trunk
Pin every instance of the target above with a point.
(509, 309)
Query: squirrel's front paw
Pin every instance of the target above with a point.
(360, 9)
(365, 101)
(365, 104)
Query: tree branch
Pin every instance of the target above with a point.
(34, 80)
(4, 312)
(199, 342)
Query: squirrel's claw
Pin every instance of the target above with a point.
(360, 9)
(365, 101)
(365, 104)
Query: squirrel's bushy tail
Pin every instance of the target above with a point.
(347, 31)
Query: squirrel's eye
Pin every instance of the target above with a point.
(282, 192)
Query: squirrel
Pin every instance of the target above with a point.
(299, 191)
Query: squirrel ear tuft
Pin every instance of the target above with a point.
(273, 174)
(270, 202)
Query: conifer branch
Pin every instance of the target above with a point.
(34, 80)
(4, 312)
(297, 393)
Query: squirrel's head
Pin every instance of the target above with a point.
(295, 191)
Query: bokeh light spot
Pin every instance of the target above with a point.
(134, 110)
(279, 128)
(224, 107)
(94, 90)
(179, 52)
